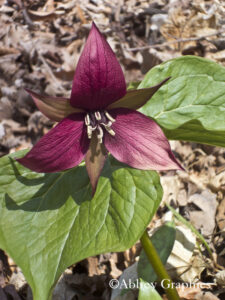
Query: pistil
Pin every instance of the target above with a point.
(100, 135)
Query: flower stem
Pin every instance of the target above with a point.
(158, 267)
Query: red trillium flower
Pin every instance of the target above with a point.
(98, 118)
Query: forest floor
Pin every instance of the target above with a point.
(40, 44)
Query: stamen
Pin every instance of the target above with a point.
(100, 135)
(109, 129)
(87, 120)
(96, 120)
(90, 129)
(98, 116)
(109, 117)
(89, 132)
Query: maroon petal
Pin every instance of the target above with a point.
(139, 142)
(61, 148)
(98, 79)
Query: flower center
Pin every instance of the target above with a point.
(99, 120)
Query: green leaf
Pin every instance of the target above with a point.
(191, 106)
(163, 240)
(147, 292)
(50, 221)
(133, 85)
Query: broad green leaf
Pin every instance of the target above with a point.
(191, 106)
(147, 292)
(163, 240)
(133, 85)
(50, 221)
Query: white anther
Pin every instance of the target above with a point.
(110, 131)
(98, 116)
(89, 132)
(87, 119)
(108, 128)
(109, 117)
(100, 135)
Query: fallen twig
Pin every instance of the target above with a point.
(22, 7)
(177, 41)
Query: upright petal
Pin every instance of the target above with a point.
(98, 79)
(139, 142)
(61, 148)
(55, 108)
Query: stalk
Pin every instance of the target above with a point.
(158, 267)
